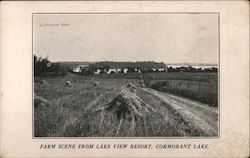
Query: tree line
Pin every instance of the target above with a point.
(121, 65)
(44, 68)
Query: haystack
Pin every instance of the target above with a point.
(41, 102)
(127, 107)
(69, 84)
(96, 83)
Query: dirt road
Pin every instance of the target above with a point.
(201, 115)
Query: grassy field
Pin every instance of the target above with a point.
(202, 87)
(204, 77)
(133, 75)
(98, 107)
(64, 109)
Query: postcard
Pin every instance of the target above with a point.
(125, 79)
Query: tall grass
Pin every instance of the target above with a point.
(205, 92)
(202, 87)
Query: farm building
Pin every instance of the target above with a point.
(159, 69)
(162, 70)
(81, 68)
(97, 71)
(125, 70)
(113, 70)
(120, 67)
(77, 69)
(116, 70)
(138, 70)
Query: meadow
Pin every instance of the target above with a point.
(98, 107)
(63, 110)
(202, 87)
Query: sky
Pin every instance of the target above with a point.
(169, 38)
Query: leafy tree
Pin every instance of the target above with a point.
(43, 67)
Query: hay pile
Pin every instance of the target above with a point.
(96, 83)
(126, 106)
(43, 82)
(41, 102)
(68, 84)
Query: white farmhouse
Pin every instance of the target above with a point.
(77, 69)
(154, 69)
(162, 69)
(80, 68)
(111, 71)
(96, 72)
(125, 70)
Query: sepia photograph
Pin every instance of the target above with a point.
(126, 75)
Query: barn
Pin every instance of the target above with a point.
(81, 68)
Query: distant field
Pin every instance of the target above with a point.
(202, 87)
(204, 77)
(133, 75)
